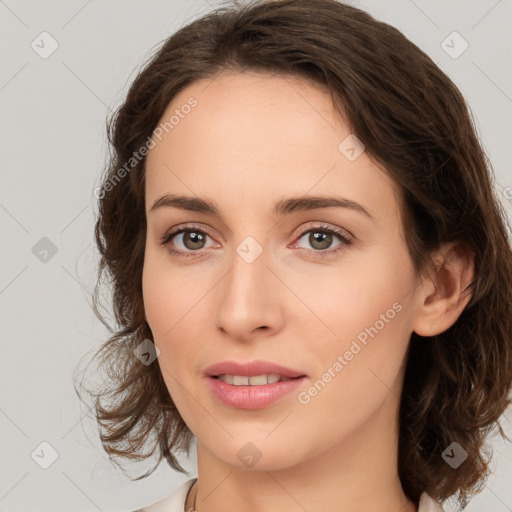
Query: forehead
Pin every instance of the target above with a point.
(252, 138)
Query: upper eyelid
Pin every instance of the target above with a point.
(324, 226)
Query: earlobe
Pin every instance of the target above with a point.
(445, 294)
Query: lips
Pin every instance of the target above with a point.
(252, 369)
(240, 385)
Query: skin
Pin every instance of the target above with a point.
(252, 140)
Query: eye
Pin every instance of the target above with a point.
(321, 238)
(187, 239)
(190, 241)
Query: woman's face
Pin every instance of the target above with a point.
(326, 291)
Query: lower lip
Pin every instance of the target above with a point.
(252, 397)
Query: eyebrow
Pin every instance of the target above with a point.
(281, 208)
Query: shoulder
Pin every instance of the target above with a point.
(175, 502)
(428, 504)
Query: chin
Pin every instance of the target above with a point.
(257, 453)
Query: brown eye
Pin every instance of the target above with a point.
(186, 242)
(193, 240)
(320, 240)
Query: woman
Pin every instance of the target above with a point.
(311, 273)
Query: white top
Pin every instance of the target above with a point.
(175, 502)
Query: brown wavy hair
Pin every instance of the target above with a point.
(414, 122)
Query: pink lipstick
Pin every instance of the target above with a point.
(252, 385)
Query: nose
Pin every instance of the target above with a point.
(251, 299)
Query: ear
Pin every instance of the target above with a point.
(443, 294)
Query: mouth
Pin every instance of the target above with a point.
(258, 394)
(252, 385)
(254, 380)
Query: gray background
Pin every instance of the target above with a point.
(53, 148)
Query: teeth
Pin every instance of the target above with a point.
(228, 379)
(256, 380)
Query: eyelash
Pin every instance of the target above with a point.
(345, 242)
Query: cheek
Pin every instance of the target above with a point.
(173, 304)
(367, 310)
(167, 294)
(369, 290)
(359, 371)
(156, 295)
(163, 310)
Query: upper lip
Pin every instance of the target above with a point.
(251, 368)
